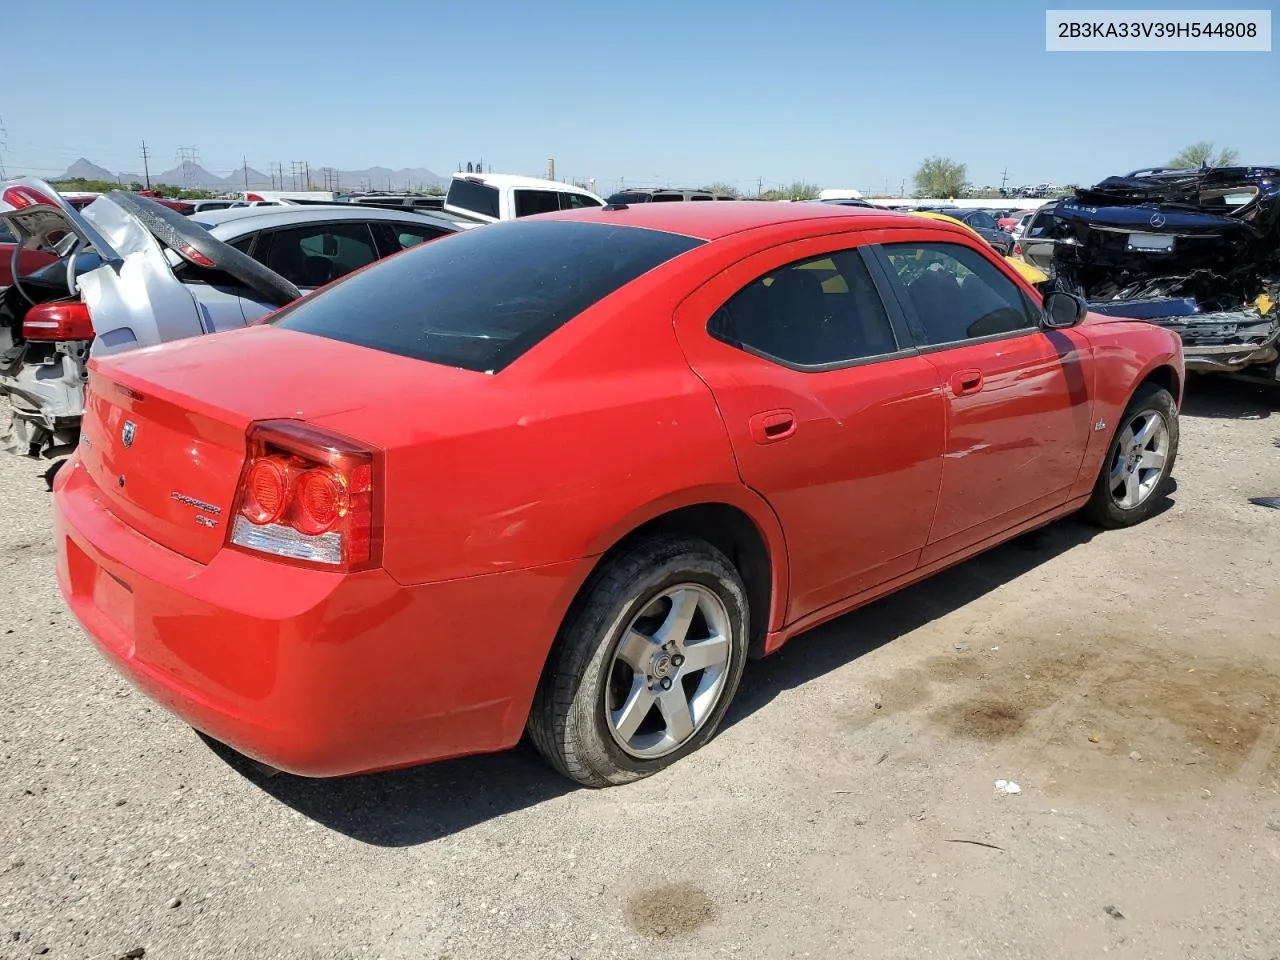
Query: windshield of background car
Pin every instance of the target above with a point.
(481, 298)
(477, 197)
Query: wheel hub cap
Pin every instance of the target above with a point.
(661, 666)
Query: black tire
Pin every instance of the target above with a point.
(567, 721)
(1102, 508)
(174, 231)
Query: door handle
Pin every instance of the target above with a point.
(772, 426)
(965, 382)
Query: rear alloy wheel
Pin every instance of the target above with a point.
(1139, 460)
(645, 665)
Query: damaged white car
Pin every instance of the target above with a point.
(131, 273)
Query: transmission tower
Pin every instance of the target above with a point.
(188, 157)
(295, 170)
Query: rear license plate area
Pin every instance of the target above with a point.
(114, 599)
(1150, 243)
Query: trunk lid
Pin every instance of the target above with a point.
(164, 431)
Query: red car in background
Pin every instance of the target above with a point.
(566, 474)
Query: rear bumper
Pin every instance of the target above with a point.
(315, 673)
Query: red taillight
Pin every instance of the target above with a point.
(266, 490)
(22, 197)
(58, 321)
(188, 252)
(308, 495)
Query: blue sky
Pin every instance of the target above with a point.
(842, 94)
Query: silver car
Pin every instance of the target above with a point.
(1039, 237)
(132, 273)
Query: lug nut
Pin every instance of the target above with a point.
(677, 660)
(666, 683)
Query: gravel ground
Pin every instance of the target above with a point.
(1128, 682)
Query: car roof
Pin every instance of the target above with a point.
(514, 180)
(238, 220)
(711, 221)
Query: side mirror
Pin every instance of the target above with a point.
(1063, 310)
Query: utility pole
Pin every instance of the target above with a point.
(245, 161)
(307, 185)
(4, 143)
(295, 168)
(1004, 178)
(759, 186)
(146, 169)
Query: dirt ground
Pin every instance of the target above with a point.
(1128, 682)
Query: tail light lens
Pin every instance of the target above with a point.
(309, 496)
(58, 321)
(22, 197)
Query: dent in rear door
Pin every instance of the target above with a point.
(855, 483)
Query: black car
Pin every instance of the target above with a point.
(984, 223)
(663, 195)
(1196, 250)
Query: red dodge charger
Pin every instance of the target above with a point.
(566, 474)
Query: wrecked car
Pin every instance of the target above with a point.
(1197, 251)
(126, 272)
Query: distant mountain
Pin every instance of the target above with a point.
(83, 169)
(196, 177)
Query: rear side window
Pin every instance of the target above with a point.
(477, 197)
(410, 235)
(481, 298)
(577, 201)
(530, 202)
(954, 293)
(822, 310)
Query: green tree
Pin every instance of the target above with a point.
(940, 177)
(1201, 155)
(721, 189)
(135, 185)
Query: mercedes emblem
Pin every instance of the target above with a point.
(1157, 220)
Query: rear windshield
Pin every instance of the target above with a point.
(478, 197)
(481, 298)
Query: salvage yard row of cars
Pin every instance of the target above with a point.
(562, 474)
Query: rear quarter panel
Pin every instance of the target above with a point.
(597, 429)
(1126, 352)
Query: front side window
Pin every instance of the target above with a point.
(955, 293)
(820, 310)
(531, 202)
(313, 256)
(983, 220)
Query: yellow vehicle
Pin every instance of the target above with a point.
(1028, 272)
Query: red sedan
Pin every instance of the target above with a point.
(568, 473)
